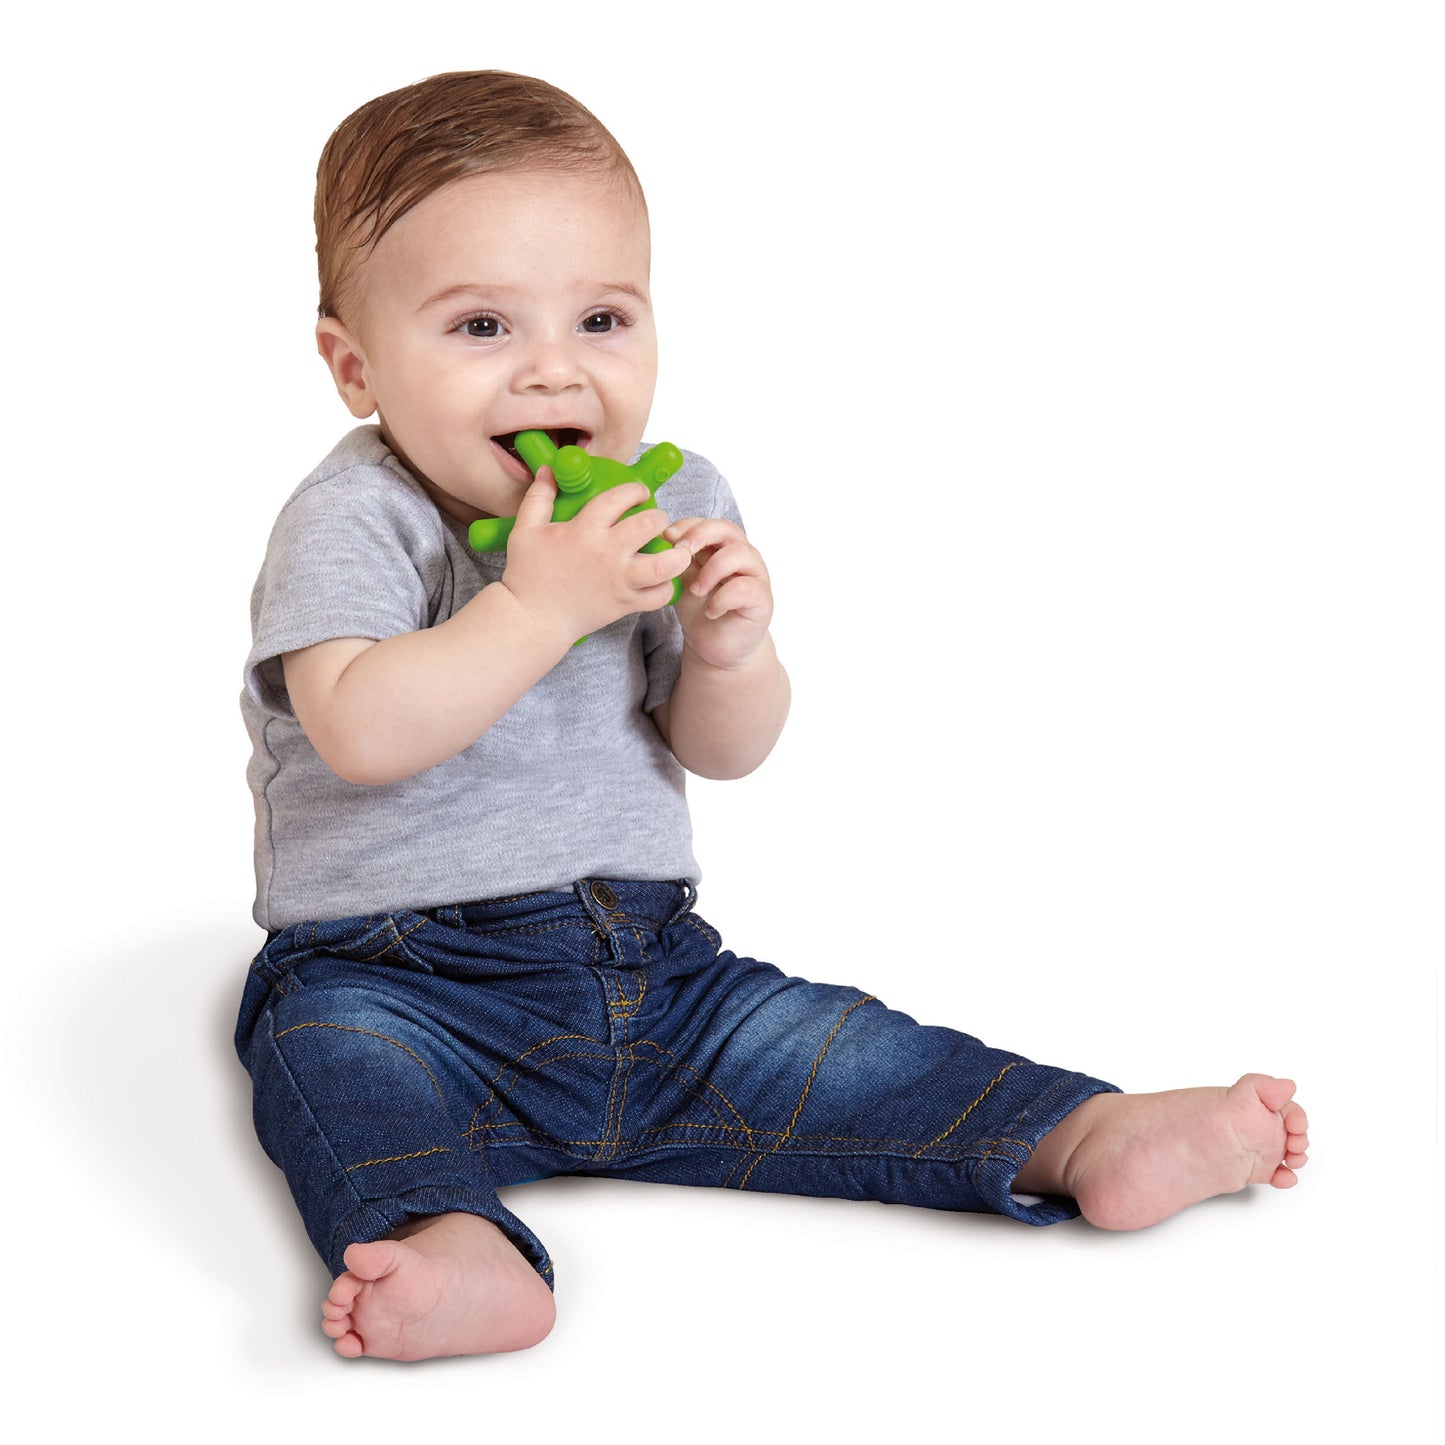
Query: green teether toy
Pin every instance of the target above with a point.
(580, 478)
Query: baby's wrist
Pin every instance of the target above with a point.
(541, 623)
(759, 658)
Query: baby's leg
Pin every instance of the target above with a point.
(447, 1284)
(777, 1084)
(366, 1110)
(752, 1080)
(1130, 1160)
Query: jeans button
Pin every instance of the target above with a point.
(603, 896)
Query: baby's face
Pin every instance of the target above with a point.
(500, 304)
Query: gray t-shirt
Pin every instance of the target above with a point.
(573, 782)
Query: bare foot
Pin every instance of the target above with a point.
(1130, 1160)
(446, 1284)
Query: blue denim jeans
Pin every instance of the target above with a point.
(414, 1063)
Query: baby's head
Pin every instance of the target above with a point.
(391, 154)
(484, 256)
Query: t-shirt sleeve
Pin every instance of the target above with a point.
(354, 555)
(662, 636)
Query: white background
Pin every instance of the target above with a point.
(1078, 368)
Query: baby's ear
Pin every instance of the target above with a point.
(343, 355)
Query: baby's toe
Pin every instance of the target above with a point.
(1275, 1094)
(367, 1262)
(344, 1289)
(350, 1346)
(335, 1329)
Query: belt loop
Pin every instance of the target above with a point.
(689, 897)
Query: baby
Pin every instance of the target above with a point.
(474, 860)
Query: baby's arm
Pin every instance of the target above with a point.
(731, 698)
(381, 711)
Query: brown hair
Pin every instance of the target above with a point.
(398, 149)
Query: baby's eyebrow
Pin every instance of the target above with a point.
(473, 291)
(456, 293)
(627, 289)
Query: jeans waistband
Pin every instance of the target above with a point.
(604, 902)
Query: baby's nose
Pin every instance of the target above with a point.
(549, 364)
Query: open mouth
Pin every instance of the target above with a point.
(562, 436)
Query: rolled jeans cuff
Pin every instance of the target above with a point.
(995, 1173)
(375, 1219)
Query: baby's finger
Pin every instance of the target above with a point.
(651, 599)
(535, 509)
(648, 569)
(636, 532)
(724, 562)
(744, 595)
(679, 529)
(606, 508)
(704, 532)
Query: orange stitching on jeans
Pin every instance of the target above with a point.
(372, 1034)
(863, 1147)
(674, 1069)
(517, 1062)
(570, 923)
(703, 1080)
(625, 1007)
(873, 1145)
(627, 1018)
(554, 1059)
(812, 1074)
(557, 1058)
(724, 1128)
(557, 1038)
(966, 1112)
(621, 1009)
(396, 938)
(738, 1164)
(712, 937)
(614, 1132)
(616, 1057)
(473, 1126)
(693, 1127)
(398, 1158)
(997, 1149)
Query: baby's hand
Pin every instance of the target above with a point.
(580, 575)
(727, 599)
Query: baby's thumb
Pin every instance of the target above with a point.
(536, 507)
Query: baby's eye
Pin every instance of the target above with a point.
(484, 328)
(601, 322)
